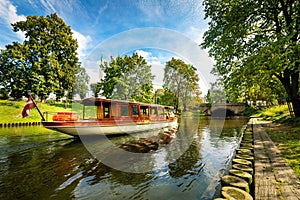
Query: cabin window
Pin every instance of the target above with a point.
(144, 110)
(106, 110)
(90, 112)
(114, 110)
(134, 110)
(124, 110)
(153, 110)
(166, 110)
(161, 111)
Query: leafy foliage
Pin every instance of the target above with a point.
(182, 80)
(256, 43)
(81, 81)
(216, 94)
(164, 97)
(46, 61)
(95, 87)
(127, 78)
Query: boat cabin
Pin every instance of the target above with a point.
(108, 109)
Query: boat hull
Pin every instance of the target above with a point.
(85, 128)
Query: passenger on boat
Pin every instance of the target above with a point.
(171, 114)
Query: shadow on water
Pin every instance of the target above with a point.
(48, 165)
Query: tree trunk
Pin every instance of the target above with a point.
(184, 107)
(296, 106)
(295, 93)
(290, 80)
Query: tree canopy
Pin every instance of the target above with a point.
(165, 97)
(81, 83)
(256, 43)
(182, 80)
(127, 78)
(45, 62)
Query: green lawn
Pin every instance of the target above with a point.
(10, 111)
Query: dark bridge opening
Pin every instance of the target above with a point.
(222, 112)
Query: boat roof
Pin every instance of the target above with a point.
(94, 101)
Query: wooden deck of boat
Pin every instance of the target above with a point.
(273, 178)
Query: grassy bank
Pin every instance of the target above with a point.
(10, 111)
(286, 134)
(279, 114)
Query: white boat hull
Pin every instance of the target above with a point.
(82, 129)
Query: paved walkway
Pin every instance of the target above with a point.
(273, 178)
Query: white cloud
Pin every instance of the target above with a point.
(94, 75)
(83, 42)
(144, 54)
(148, 56)
(8, 13)
(195, 34)
(164, 40)
(49, 5)
(152, 10)
(157, 70)
(157, 66)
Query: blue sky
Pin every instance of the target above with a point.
(96, 21)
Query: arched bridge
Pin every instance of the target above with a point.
(223, 108)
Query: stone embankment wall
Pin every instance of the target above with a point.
(238, 184)
(16, 124)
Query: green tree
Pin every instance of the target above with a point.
(243, 86)
(164, 97)
(81, 83)
(216, 93)
(182, 80)
(259, 39)
(127, 78)
(95, 89)
(46, 61)
(14, 74)
(208, 98)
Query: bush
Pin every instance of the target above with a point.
(276, 113)
(251, 111)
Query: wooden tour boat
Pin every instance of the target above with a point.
(110, 117)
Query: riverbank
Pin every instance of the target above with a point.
(274, 177)
(16, 124)
(284, 131)
(266, 164)
(10, 112)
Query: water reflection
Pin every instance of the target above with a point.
(53, 166)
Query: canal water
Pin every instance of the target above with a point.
(36, 163)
